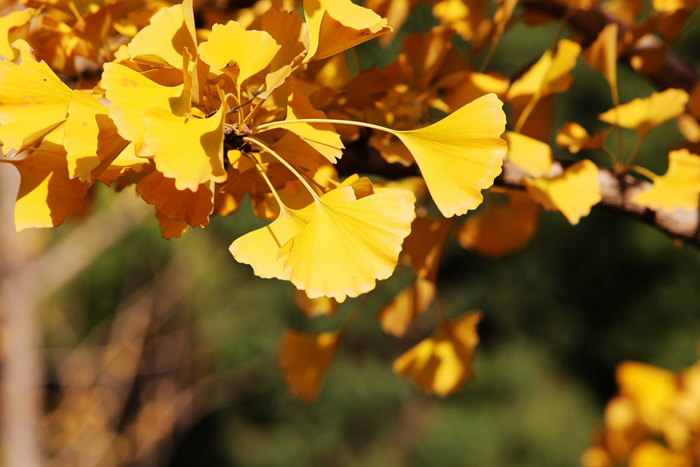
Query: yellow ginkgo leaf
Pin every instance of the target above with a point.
(347, 246)
(652, 389)
(253, 50)
(91, 137)
(574, 137)
(652, 454)
(260, 247)
(312, 307)
(164, 41)
(188, 149)
(337, 25)
(184, 205)
(642, 115)
(678, 188)
(602, 54)
(46, 194)
(442, 363)
(500, 229)
(305, 359)
(320, 136)
(550, 74)
(461, 154)
(397, 315)
(132, 95)
(573, 192)
(463, 16)
(531, 155)
(33, 100)
(12, 27)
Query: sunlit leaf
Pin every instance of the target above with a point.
(678, 188)
(46, 193)
(642, 115)
(132, 95)
(91, 137)
(29, 90)
(461, 154)
(164, 41)
(188, 149)
(337, 25)
(652, 389)
(251, 51)
(12, 27)
(573, 192)
(550, 74)
(531, 155)
(347, 246)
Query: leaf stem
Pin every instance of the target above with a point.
(267, 180)
(280, 123)
(644, 172)
(286, 164)
(635, 153)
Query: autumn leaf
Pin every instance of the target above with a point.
(572, 192)
(442, 363)
(678, 188)
(304, 360)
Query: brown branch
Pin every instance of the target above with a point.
(616, 192)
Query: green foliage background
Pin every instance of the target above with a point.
(558, 317)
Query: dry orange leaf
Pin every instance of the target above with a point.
(678, 188)
(312, 307)
(474, 85)
(397, 315)
(501, 229)
(305, 359)
(642, 115)
(573, 192)
(184, 205)
(531, 155)
(442, 363)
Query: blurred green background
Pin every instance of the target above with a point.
(559, 316)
